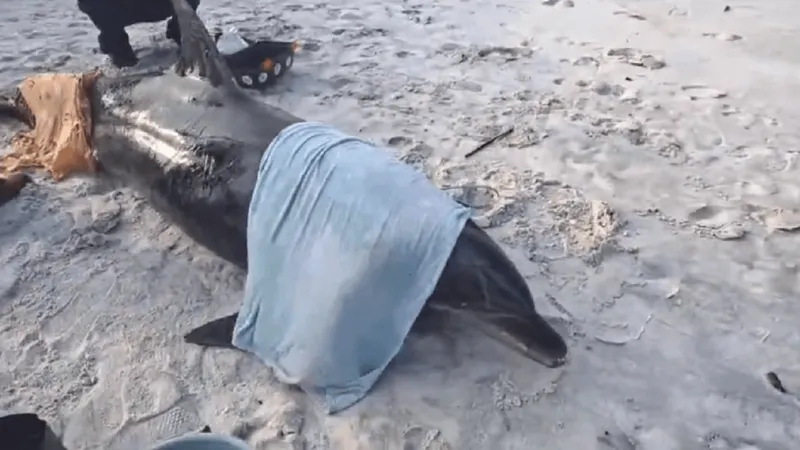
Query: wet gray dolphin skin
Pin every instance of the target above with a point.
(192, 145)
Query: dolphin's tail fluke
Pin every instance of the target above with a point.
(217, 333)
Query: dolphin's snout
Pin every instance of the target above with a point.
(529, 334)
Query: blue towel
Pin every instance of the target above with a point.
(345, 244)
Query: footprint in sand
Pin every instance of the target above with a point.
(508, 53)
(658, 439)
(416, 156)
(419, 438)
(154, 408)
(496, 193)
(700, 92)
(564, 3)
(723, 224)
(702, 213)
(383, 432)
(724, 36)
(783, 220)
(632, 15)
(636, 57)
(148, 393)
(9, 279)
(616, 440)
(106, 212)
(399, 141)
(72, 318)
(33, 352)
(271, 429)
(479, 198)
(585, 61)
(92, 421)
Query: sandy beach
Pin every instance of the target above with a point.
(648, 191)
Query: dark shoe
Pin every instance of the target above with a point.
(27, 432)
(118, 48)
(124, 58)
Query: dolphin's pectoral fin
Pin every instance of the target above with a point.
(217, 333)
(198, 51)
(8, 108)
(10, 187)
(13, 105)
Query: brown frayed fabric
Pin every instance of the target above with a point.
(61, 138)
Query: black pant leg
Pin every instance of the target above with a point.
(110, 21)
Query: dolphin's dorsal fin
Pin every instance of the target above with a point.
(199, 53)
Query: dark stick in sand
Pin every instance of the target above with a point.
(489, 142)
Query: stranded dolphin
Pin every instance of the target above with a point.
(192, 145)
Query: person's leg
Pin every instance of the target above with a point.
(113, 39)
(173, 30)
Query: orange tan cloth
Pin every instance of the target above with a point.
(61, 140)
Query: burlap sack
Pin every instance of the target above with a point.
(61, 140)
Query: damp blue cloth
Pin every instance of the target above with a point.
(345, 244)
